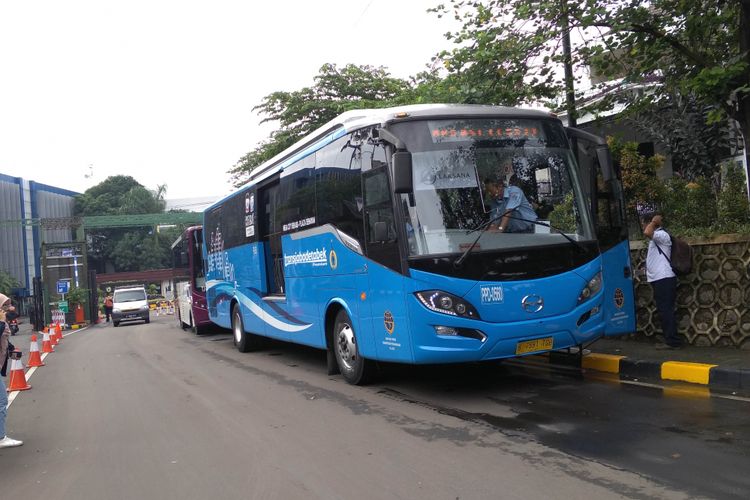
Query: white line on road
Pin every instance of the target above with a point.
(12, 396)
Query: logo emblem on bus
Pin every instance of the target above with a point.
(619, 298)
(388, 322)
(532, 303)
(333, 259)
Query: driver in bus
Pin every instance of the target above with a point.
(510, 210)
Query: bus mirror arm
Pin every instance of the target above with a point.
(603, 154)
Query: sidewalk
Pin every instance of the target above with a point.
(724, 368)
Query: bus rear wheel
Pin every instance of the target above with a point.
(244, 341)
(354, 368)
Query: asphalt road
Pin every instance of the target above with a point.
(149, 411)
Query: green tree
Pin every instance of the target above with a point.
(508, 51)
(733, 205)
(128, 249)
(335, 90)
(642, 188)
(7, 282)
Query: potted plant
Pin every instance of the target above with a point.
(76, 298)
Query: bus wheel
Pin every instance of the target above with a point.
(244, 341)
(355, 369)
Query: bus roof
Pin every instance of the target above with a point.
(359, 118)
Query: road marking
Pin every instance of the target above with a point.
(677, 390)
(12, 396)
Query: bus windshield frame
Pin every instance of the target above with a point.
(453, 162)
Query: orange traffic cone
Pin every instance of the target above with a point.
(35, 359)
(52, 335)
(46, 342)
(58, 332)
(17, 381)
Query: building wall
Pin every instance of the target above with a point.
(20, 245)
(12, 252)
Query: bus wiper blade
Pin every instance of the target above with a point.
(556, 229)
(483, 228)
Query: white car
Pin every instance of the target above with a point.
(130, 304)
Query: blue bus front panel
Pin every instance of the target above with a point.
(505, 328)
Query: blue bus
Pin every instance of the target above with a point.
(378, 238)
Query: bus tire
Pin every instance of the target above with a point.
(244, 341)
(354, 368)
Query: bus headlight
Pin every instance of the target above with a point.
(591, 288)
(446, 303)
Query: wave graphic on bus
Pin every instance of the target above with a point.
(224, 290)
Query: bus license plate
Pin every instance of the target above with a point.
(534, 345)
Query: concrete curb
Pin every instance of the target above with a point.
(713, 376)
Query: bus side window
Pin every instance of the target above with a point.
(338, 188)
(380, 227)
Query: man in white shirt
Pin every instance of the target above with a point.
(663, 280)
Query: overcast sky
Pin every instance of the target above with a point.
(163, 90)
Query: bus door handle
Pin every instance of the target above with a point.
(626, 271)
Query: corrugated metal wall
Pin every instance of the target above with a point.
(52, 204)
(11, 236)
(20, 246)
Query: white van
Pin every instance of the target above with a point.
(130, 304)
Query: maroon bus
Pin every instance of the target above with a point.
(189, 281)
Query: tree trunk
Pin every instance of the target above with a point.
(743, 99)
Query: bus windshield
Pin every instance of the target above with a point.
(469, 174)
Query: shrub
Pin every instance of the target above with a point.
(640, 183)
(689, 205)
(7, 282)
(733, 205)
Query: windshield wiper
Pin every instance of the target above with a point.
(482, 228)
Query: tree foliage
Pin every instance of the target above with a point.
(128, 249)
(509, 52)
(642, 188)
(7, 282)
(335, 90)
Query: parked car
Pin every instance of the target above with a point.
(130, 304)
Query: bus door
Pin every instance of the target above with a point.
(386, 280)
(270, 239)
(603, 187)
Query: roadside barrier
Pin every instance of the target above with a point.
(17, 381)
(47, 343)
(57, 316)
(35, 358)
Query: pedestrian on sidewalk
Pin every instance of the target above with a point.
(5, 441)
(108, 303)
(662, 278)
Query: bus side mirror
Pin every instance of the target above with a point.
(402, 172)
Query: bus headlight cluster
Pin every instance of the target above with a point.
(591, 288)
(446, 303)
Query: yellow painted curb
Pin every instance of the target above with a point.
(687, 372)
(608, 363)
